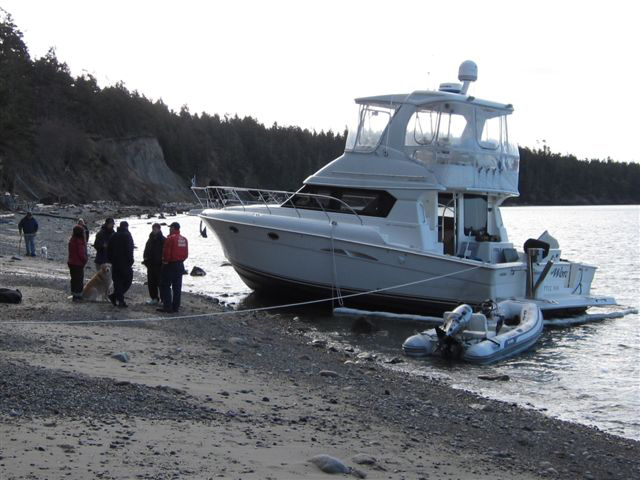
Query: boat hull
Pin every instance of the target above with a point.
(311, 258)
(279, 286)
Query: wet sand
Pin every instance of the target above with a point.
(240, 396)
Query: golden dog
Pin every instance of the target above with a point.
(99, 284)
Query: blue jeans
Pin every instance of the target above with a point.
(30, 244)
(172, 284)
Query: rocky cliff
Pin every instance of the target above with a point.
(74, 167)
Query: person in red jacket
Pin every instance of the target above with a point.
(174, 252)
(77, 260)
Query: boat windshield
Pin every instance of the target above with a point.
(441, 123)
(372, 123)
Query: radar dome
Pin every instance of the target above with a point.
(467, 73)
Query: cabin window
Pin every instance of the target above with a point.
(442, 123)
(451, 127)
(475, 215)
(491, 128)
(352, 128)
(375, 203)
(372, 123)
(422, 127)
(321, 200)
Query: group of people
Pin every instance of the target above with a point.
(163, 258)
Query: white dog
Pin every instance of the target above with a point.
(99, 284)
(43, 252)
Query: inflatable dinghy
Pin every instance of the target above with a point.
(500, 331)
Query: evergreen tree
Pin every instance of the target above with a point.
(48, 119)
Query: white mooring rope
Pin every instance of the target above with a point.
(231, 312)
(335, 270)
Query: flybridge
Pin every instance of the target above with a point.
(467, 73)
(442, 140)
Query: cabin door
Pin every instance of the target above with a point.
(447, 222)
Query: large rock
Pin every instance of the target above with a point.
(363, 325)
(329, 464)
(121, 356)
(197, 272)
(364, 459)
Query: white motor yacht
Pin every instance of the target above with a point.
(407, 218)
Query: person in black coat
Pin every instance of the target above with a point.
(102, 240)
(120, 255)
(29, 227)
(152, 259)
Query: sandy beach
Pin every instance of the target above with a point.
(243, 396)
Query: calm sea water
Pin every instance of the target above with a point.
(588, 374)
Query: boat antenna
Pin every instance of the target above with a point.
(386, 140)
(467, 73)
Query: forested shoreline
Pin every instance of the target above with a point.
(51, 122)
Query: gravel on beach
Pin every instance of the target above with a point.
(243, 396)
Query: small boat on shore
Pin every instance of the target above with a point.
(501, 330)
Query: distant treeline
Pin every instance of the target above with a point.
(44, 110)
(552, 179)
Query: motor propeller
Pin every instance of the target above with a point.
(449, 346)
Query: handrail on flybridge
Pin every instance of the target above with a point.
(220, 197)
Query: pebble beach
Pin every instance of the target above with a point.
(219, 394)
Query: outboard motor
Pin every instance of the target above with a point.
(454, 322)
(489, 308)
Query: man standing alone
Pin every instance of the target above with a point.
(29, 227)
(174, 253)
(120, 255)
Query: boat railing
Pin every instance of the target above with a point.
(221, 197)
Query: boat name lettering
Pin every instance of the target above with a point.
(559, 272)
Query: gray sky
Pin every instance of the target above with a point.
(569, 68)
